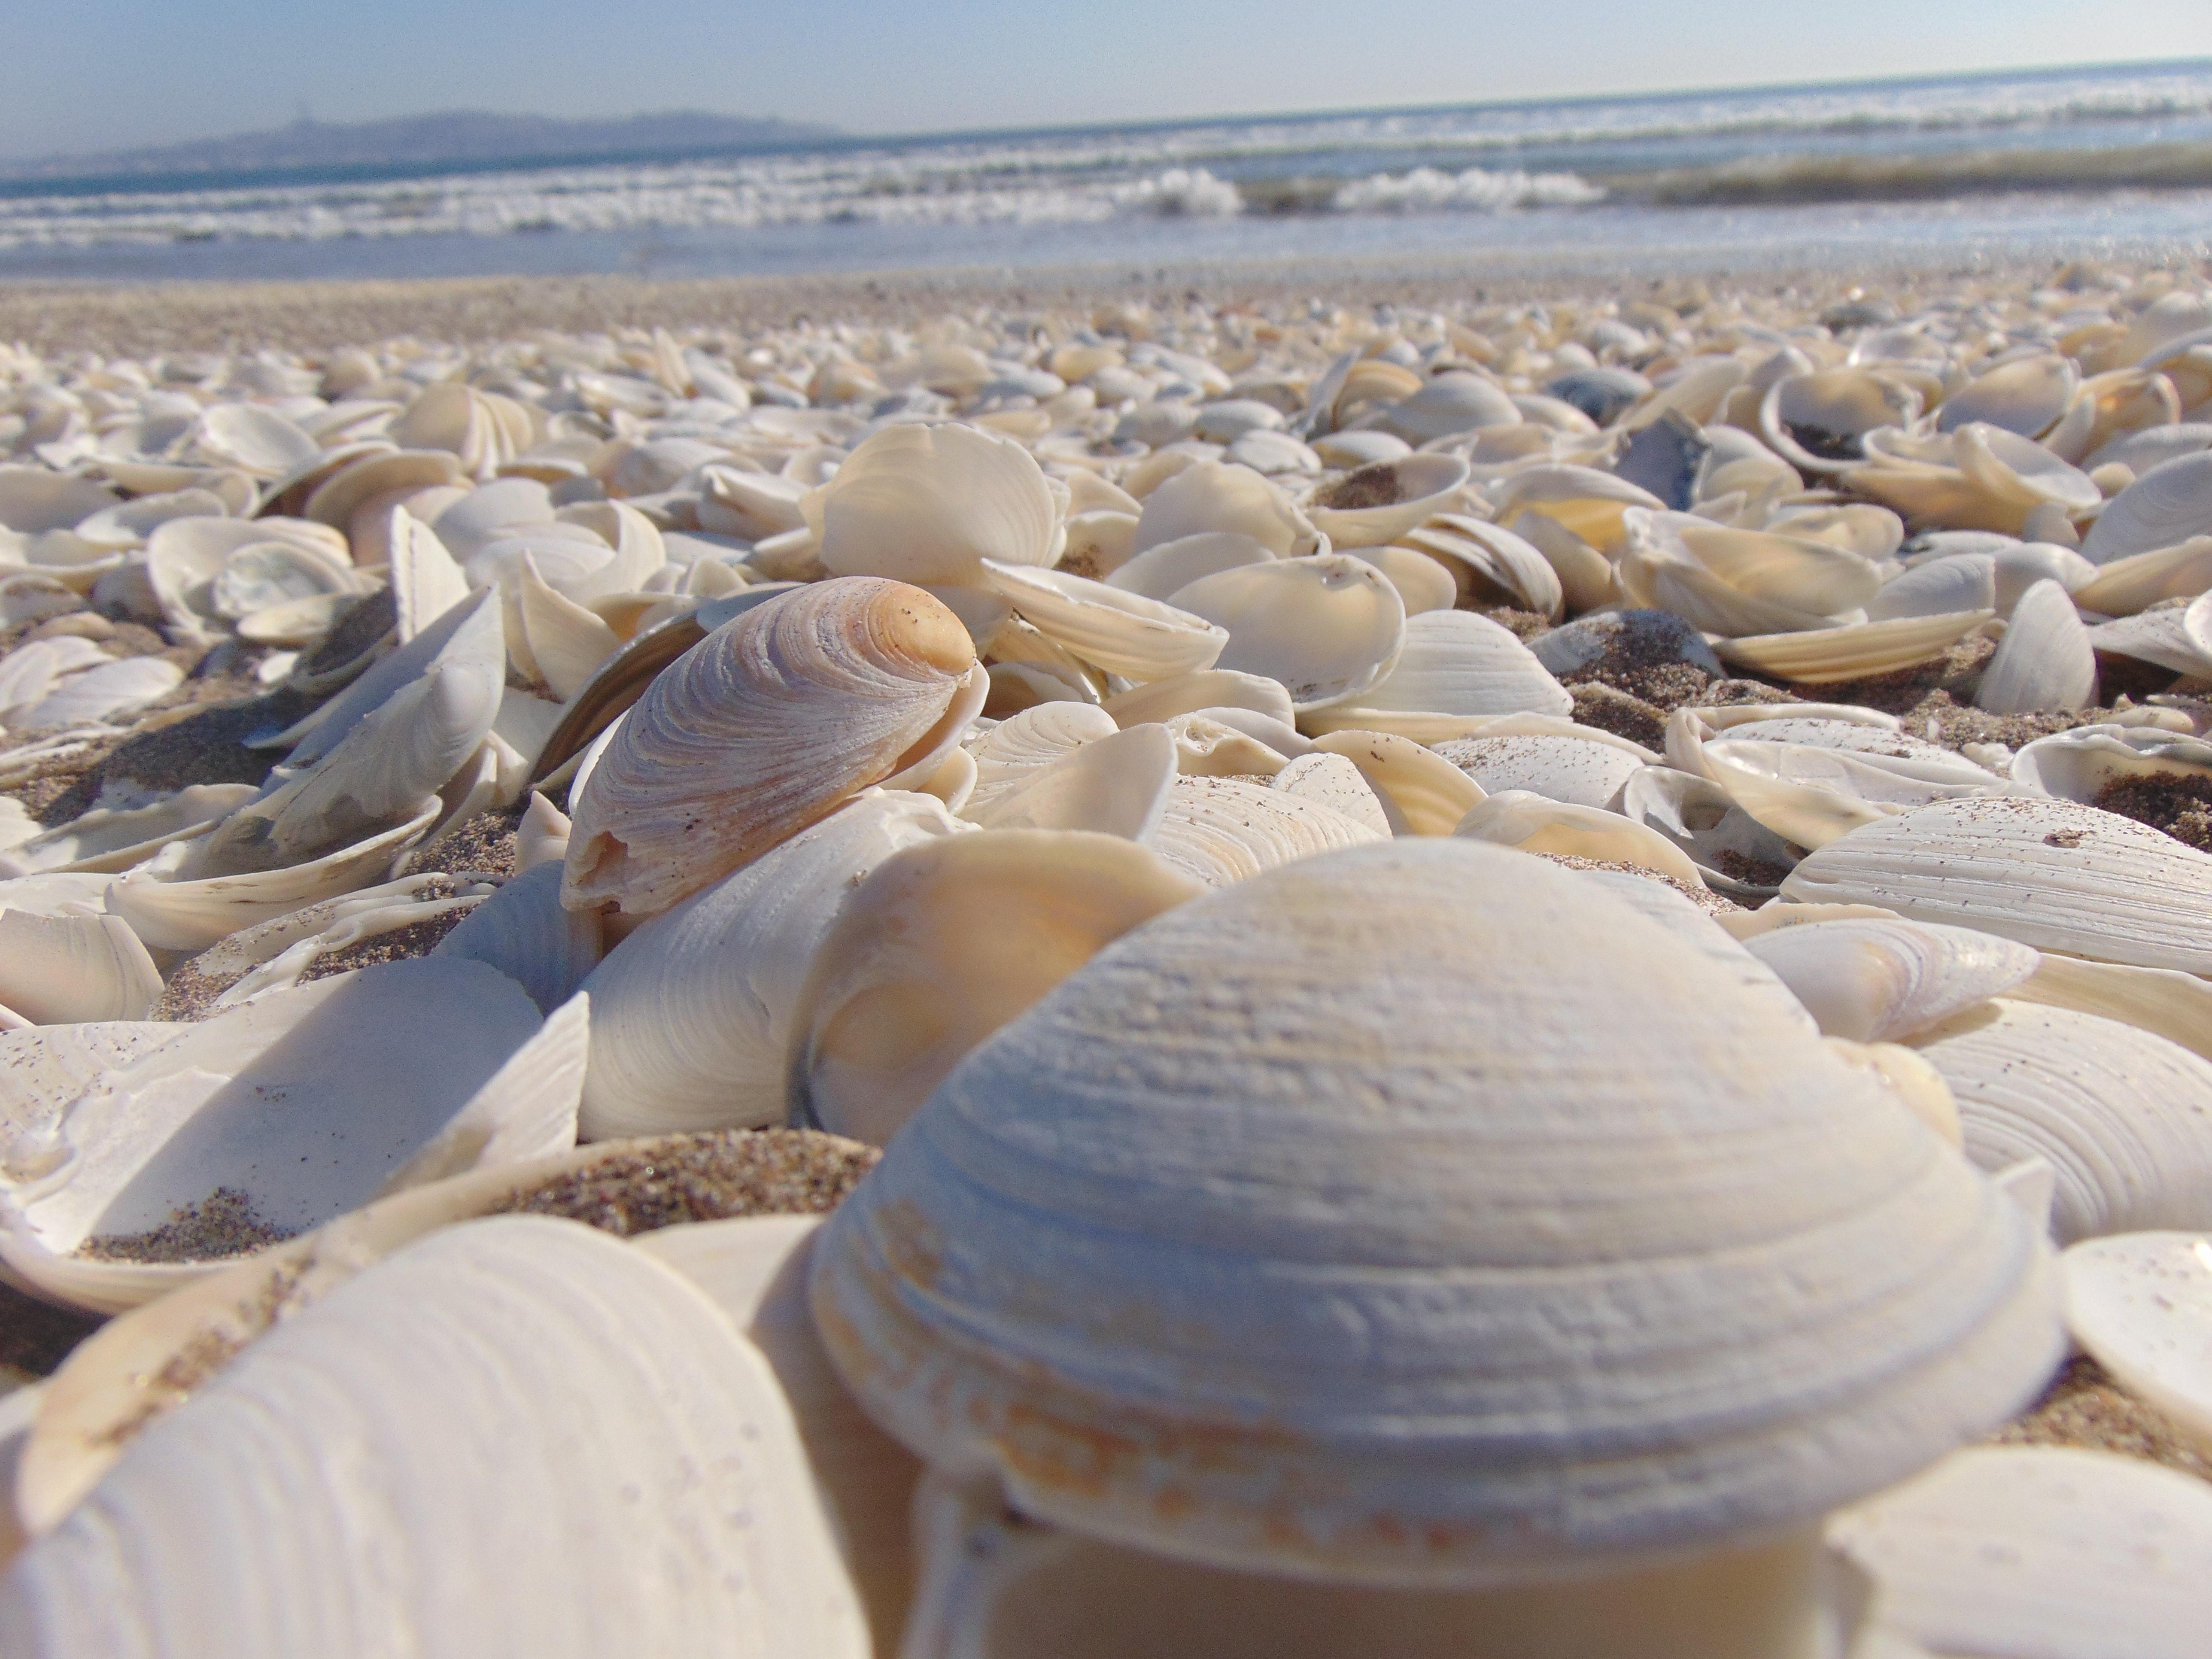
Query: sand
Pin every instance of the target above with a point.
(707, 1177)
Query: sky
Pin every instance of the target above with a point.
(102, 75)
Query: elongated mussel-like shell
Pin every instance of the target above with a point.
(764, 727)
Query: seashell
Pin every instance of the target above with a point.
(1533, 824)
(1586, 503)
(691, 1015)
(47, 1067)
(2175, 1005)
(1816, 422)
(932, 504)
(2025, 396)
(1945, 587)
(347, 480)
(2124, 586)
(2048, 1551)
(560, 639)
(1159, 572)
(31, 669)
(186, 909)
(1208, 748)
(90, 696)
(1494, 564)
(1171, 1291)
(114, 839)
(1738, 581)
(1423, 583)
(1424, 793)
(1379, 502)
(2165, 505)
(1455, 401)
(1117, 785)
(264, 573)
(1828, 656)
(491, 511)
(1214, 495)
(295, 623)
(1453, 663)
(754, 1269)
(645, 1529)
(1015, 750)
(2019, 567)
(2141, 1303)
(943, 945)
(524, 932)
(1327, 627)
(254, 439)
(33, 499)
(765, 727)
(1013, 687)
(1099, 543)
(1121, 632)
(2051, 874)
(2173, 636)
(297, 1105)
(1336, 783)
(65, 968)
(1220, 831)
(1665, 457)
(1881, 982)
(1582, 770)
(2045, 661)
(2120, 1114)
(1206, 688)
(2081, 764)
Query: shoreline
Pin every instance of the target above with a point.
(62, 316)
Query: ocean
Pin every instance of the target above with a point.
(2107, 161)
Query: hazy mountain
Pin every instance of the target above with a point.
(472, 136)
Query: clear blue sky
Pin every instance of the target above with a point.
(85, 75)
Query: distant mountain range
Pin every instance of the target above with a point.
(472, 137)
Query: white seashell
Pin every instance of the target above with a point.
(647, 1529)
(691, 1015)
(1828, 656)
(1220, 830)
(542, 837)
(47, 1067)
(930, 504)
(1121, 632)
(2026, 396)
(295, 623)
(754, 1269)
(1455, 401)
(31, 669)
(2019, 569)
(943, 945)
(1453, 663)
(1423, 583)
(1207, 688)
(2039, 1552)
(263, 574)
(33, 499)
(113, 839)
(303, 1102)
(1424, 793)
(2045, 661)
(2124, 586)
(1158, 573)
(1946, 586)
(2051, 874)
(560, 639)
(1209, 747)
(1583, 771)
(1107, 1215)
(1328, 628)
(1497, 564)
(2167, 505)
(1739, 582)
(2176, 637)
(92, 695)
(2141, 1303)
(1210, 495)
(1117, 785)
(2175, 1005)
(1336, 782)
(765, 727)
(1381, 501)
(524, 931)
(1533, 824)
(1815, 420)
(1015, 750)
(2123, 1116)
(1879, 982)
(65, 968)
(1099, 543)
(186, 909)
(2080, 764)
(350, 480)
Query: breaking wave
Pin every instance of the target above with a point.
(1798, 179)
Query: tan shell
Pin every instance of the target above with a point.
(764, 727)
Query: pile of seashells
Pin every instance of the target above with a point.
(1514, 968)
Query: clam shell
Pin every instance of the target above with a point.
(47, 1067)
(1815, 420)
(2051, 874)
(2079, 764)
(1424, 791)
(1158, 573)
(1828, 656)
(1496, 562)
(2045, 660)
(930, 504)
(1423, 583)
(1946, 586)
(943, 945)
(2167, 505)
(2039, 1551)
(1380, 502)
(107, 839)
(2175, 1005)
(764, 727)
(524, 931)
(1163, 1227)
(2123, 1116)
(92, 696)
(1217, 496)
(1208, 748)
(1220, 830)
(1878, 981)
(1453, 663)
(691, 1015)
(1535, 823)
(1336, 782)
(396, 1409)
(1121, 632)
(2141, 1303)
(1013, 751)
(1584, 771)
(1740, 582)
(1327, 627)
(2025, 396)
(1702, 818)
(2124, 586)
(1116, 785)
(1207, 688)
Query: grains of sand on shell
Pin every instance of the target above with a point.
(705, 1178)
(1713, 903)
(223, 1223)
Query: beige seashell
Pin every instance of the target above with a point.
(1208, 748)
(1494, 564)
(2174, 636)
(1117, 785)
(2045, 661)
(1921, 1089)
(1328, 628)
(2051, 874)
(2166, 505)
(414, 1365)
(2114, 1110)
(1119, 631)
(1207, 688)
(2079, 764)
(65, 968)
(1453, 663)
(1878, 981)
(254, 439)
(1532, 823)
(943, 945)
(1944, 586)
(2039, 1552)
(524, 932)
(1164, 1279)
(2025, 396)
(92, 696)
(930, 504)
(764, 727)
(372, 471)
(1012, 752)
(110, 839)
(2141, 1303)
(2121, 587)
(1816, 420)
(1158, 573)
(1423, 583)
(47, 1067)
(542, 837)
(691, 1015)
(295, 623)
(1379, 502)
(2175, 1005)
(1336, 783)
(561, 640)
(1828, 656)
(1100, 542)
(1583, 771)
(1220, 830)
(1424, 791)
(1739, 582)
(1210, 495)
